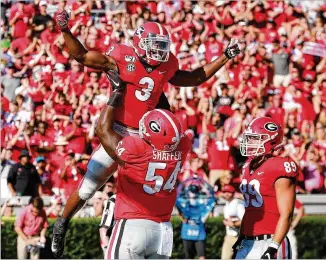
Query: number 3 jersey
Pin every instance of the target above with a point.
(146, 186)
(144, 86)
(257, 187)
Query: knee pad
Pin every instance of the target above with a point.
(94, 179)
(87, 189)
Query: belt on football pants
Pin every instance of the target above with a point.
(259, 237)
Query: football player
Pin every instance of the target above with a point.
(149, 165)
(144, 67)
(268, 187)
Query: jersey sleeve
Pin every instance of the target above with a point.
(173, 66)
(286, 168)
(114, 51)
(129, 149)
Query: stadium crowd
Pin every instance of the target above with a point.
(50, 103)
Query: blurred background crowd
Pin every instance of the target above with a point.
(50, 103)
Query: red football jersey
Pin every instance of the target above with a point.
(146, 184)
(258, 189)
(144, 87)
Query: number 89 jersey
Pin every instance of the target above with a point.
(143, 86)
(257, 187)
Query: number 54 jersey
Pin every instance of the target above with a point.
(146, 186)
(144, 86)
(257, 187)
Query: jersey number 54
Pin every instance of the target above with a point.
(159, 180)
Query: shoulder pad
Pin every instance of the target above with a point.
(130, 147)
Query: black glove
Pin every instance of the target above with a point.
(118, 87)
(270, 253)
(233, 49)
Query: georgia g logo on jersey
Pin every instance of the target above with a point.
(271, 127)
(154, 126)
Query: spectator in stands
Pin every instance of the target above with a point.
(75, 134)
(56, 208)
(233, 214)
(10, 82)
(45, 176)
(20, 14)
(70, 174)
(6, 164)
(313, 172)
(23, 179)
(31, 226)
(195, 169)
(40, 20)
(220, 158)
(281, 65)
(41, 143)
(276, 111)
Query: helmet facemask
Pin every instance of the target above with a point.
(253, 145)
(157, 47)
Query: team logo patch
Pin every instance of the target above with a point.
(131, 67)
(155, 127)
(140, 31)
(130, 58)
(271, 127)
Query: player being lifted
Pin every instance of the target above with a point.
(144, 67)
(268, 186)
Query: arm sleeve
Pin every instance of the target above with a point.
(287, 168)
(114, 51)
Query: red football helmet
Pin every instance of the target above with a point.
(161, 129)
(152, 42)
(262, 136)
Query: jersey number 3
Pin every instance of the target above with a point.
(145, 93)
(251, 188)
(150, 176)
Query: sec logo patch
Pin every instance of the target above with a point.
(131, 67)
(271, 127)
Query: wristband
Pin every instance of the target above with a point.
(274, 245)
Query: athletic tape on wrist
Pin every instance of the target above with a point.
(274, 245)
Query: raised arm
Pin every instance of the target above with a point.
(104, 129)
(92, 59)
(202, 74)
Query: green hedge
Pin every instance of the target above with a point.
(83, 239)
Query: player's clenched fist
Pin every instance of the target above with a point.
(62, 19)
(233, 49)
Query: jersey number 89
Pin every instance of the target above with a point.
(251, 188)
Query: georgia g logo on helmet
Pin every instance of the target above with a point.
(271, 127)
(140, 31)
(154, 126)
